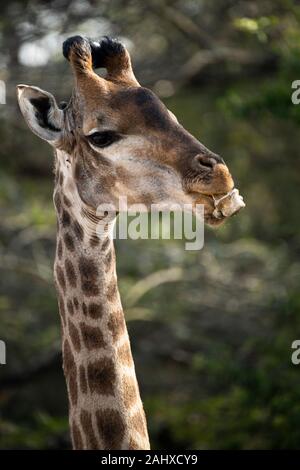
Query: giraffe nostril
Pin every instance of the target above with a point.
(204, 162)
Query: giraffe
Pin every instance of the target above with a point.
(113, 138)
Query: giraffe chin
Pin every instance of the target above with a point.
(213, 221)
(209, 217)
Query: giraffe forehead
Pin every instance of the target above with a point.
(142, 105)
(124, 109)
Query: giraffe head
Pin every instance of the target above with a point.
(116, 138)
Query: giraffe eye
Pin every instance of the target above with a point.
(103, 139)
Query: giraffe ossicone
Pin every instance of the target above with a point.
(114, 138)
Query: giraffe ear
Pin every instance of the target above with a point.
(41, 113)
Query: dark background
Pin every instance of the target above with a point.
(212, 338)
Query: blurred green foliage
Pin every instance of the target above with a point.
(219, 336)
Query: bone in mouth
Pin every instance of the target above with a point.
(228, 204)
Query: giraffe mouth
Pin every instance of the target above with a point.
(219, 208)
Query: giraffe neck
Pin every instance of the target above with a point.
(105, 408)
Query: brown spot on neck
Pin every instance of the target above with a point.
(92, 337)
(76, 436)
(62, 311)
(111, 428)
(78, 230)
(76, 303)
(57, 202)
(95, 310)
(138, 422)
(124, 354)
(130, 392)
(65, 218)
(87, 426)
(70, 272)
(112, 290)
(59, 249)
(82, 380)
(116, 324)
(70, 371)
(69, 242)
(70, 307)
(89, 276)
(74, 335)
(60, 278)
(101, 376)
